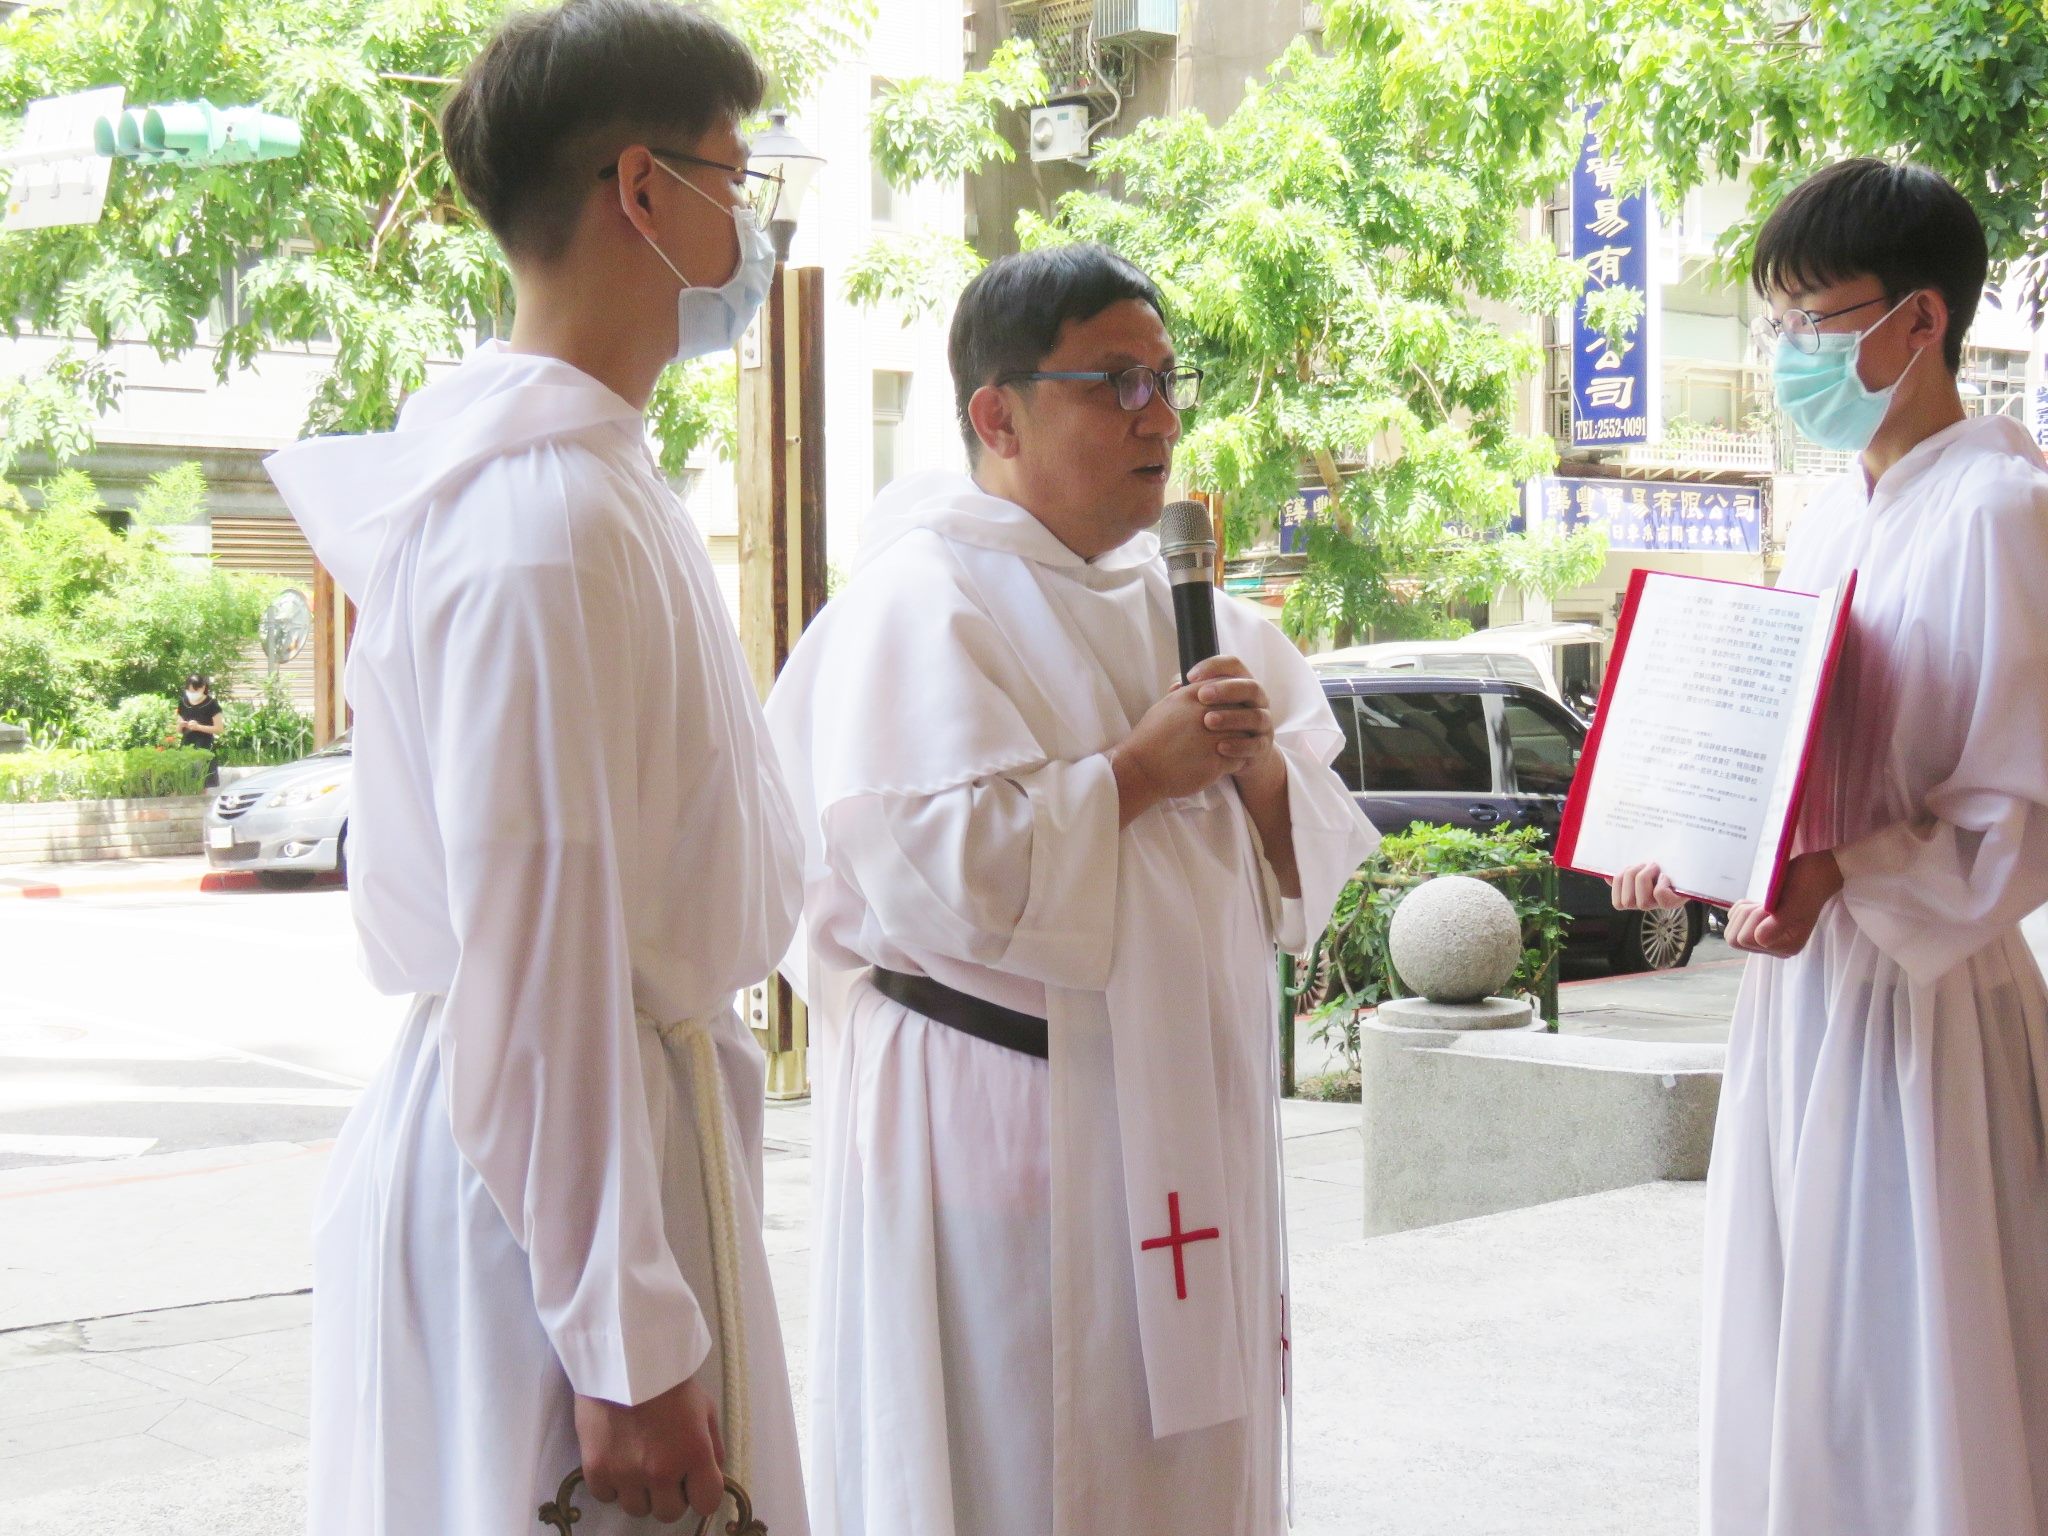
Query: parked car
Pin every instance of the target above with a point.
(288, 823)
(1484, 753)
(1560, 659)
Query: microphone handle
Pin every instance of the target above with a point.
(1194, 621)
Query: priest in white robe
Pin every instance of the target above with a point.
(1043, 892)
(1877, 1259)
(539, 1243)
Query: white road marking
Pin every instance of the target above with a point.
(18, 1093)
(213, 1049)
(73, 1147)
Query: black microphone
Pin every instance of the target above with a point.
(1187, 541)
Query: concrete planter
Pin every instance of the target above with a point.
(74, 831)
(1463, 1122)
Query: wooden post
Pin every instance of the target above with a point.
(334, 625)
(781, 474)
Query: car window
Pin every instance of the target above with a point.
(1424, 742)
(1349, 763)
(1520, 669)
(1454, 664)
(1541, 749)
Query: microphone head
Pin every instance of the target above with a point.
(1186, 525)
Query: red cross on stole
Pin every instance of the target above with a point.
(1178, 1240)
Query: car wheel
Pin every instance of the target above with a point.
(341, 854)
(1660, 940)
(1314, 990)
(285, 879)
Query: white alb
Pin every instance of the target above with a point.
(1877, 1255)
(1050, 1297)
(571, 842)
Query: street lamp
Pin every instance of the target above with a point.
(794, 163)
(780, 472)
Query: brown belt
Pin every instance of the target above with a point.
(1021, 1032)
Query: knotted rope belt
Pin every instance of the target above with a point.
(693, 1039)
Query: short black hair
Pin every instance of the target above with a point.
(1011, 315)
(1901, 224)
(524, 131)
(198, 680)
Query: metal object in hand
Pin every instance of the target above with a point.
(563, 1513)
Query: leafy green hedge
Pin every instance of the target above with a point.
(141, 773)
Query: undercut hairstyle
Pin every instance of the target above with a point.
(1011, 315)
(557, 91)
(1901, 224)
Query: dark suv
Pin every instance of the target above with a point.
(1482, 753)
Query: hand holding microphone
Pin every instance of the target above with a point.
(1218, 723)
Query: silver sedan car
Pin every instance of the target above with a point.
(288, 823)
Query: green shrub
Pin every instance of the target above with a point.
(141, 720)
(1350, 967)
(142, 773)
(270, 730)
(90, 617)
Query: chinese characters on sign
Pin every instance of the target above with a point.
(1647, 516)
(1297, 515)
(1614, 388)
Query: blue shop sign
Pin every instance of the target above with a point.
(1296, 517)
(1648, 516)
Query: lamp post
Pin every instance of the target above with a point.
(781, 480)
(795, 164)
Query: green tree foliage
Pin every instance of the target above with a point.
(1692, 87)
(361, 242)
(1326, 266)
(927, 129)
(52, 412)
(90, 617)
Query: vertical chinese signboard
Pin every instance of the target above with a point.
(1616, 390)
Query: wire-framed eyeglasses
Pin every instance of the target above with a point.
(1135, 387)
(1801, 327)
(761, 189)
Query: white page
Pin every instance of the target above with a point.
(1694, 737)
(1805, 719)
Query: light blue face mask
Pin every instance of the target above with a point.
(712, 320)
(1825, 395)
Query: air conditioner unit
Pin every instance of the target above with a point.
(1059, 133)
(1137, 21)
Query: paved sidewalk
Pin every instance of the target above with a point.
(178, 1405)
(1527, 1374)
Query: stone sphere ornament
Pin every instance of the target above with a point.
(1455, 940)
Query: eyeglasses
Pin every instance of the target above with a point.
(1800, 326)
(763, 189)
(1135, 387)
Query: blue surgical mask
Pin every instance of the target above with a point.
(712, 320)
(1825, 395)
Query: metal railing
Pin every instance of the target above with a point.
(1708, 448)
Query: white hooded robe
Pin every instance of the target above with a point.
(569, 839)
(1006, 1341)
(1877, 1259)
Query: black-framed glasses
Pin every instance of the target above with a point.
(1800, 326)
(1135, 387)
(762, 189)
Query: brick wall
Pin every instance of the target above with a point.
(70, 831)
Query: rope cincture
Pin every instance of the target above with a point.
(714, 1161)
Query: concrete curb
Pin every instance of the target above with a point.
(209, 881)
